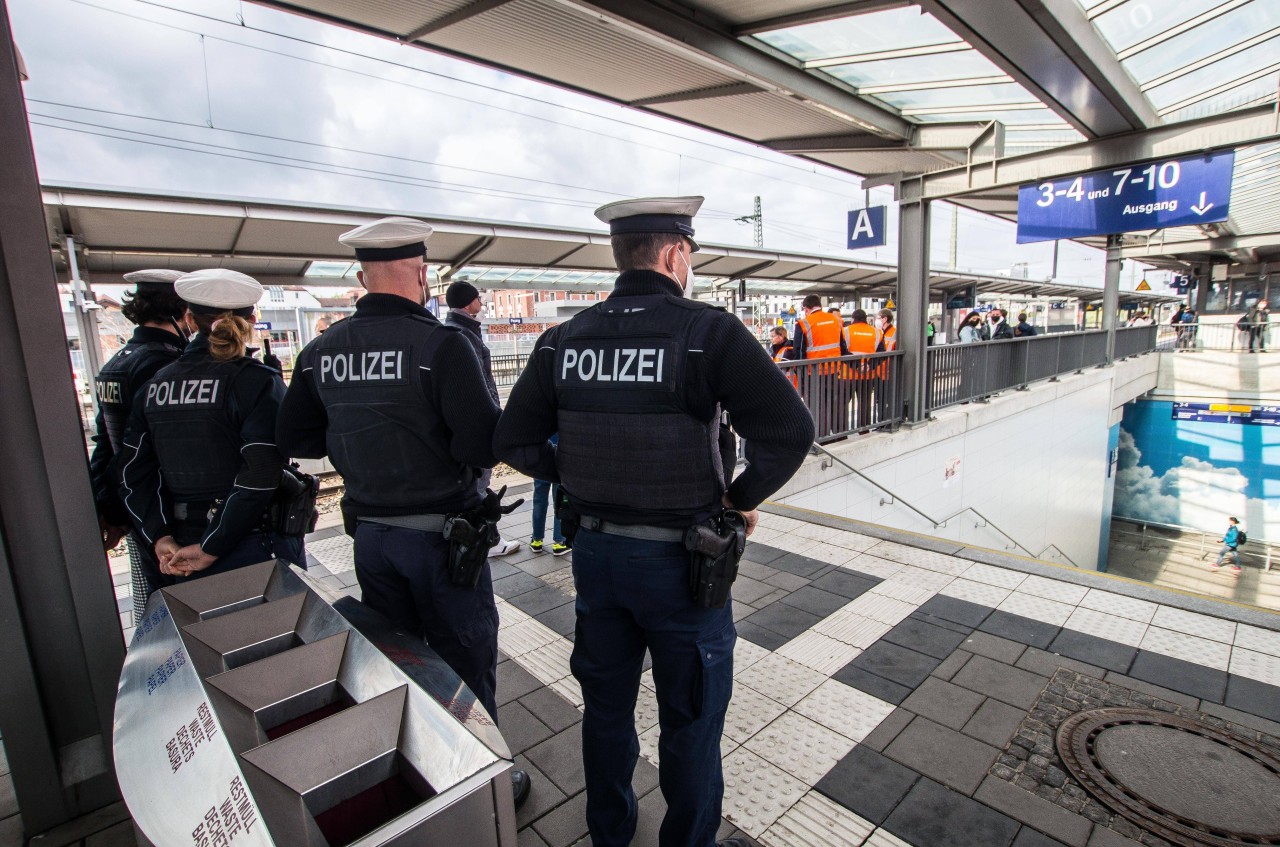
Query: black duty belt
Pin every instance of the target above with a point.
(422, 523)
(640, 531)
(192, 511)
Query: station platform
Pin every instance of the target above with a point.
(893, 689)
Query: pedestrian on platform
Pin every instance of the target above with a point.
(465, 305)
(1258, 321)
(547, 494)
(201, 468)
(635, 386)
(1000, 328)
(862, 339)
(409, 437)
(969, 332)
(1230, 546)
(779, 345)
(1023, 329)
(160, 333)
(824, 386)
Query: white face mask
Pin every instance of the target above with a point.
(687, 286)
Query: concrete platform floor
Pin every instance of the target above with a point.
(862, 653)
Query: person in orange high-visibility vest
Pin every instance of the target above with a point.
(883, 384)
(818, 336)
(781, 349)
(862, 339)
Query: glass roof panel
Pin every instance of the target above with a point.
(1204, 40)
(968, 95)
(946, 66)
(872, 32)
(1211, 76)
(1133, 22)
(328, 269)
(1242, 95)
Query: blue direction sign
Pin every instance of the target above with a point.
(1176, 192)
(866, 228)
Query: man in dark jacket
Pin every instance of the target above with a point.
(464, 302)
(1023, 329)
(1000, 328)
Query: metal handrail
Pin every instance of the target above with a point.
(895, 499)
(1200, 534)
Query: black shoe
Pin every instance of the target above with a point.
(520, 786)
(733, 842)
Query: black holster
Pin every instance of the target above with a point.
(470, 536)
(569, 519)
(715, 547)
(292, 512)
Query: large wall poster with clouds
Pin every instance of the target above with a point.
(1195, 473)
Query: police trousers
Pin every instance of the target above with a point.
(632, 595)
(404, 575)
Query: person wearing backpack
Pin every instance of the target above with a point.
(1230, 546)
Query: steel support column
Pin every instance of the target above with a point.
(60, 642)
(1111, 294)
(913, 298)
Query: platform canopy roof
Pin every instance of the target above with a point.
(891, 89)
(115, 233)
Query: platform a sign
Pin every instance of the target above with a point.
(866, 227)
(1156, 195)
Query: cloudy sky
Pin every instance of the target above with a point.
(220, 97)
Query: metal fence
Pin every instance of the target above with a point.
(958, 373)
(1213, 336)
(849, 394)
(507, 369)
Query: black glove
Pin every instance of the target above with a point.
(491, 507)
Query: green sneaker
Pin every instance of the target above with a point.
(558, 549)
(535, 544)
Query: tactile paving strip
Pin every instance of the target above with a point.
(852, 628)
(745, 654)
(976, 592)
(991, 575)
(1037, 608)
(757, 793)
(816, 821)
(846, 710)
(549, 663)
(569, 689)
(904, 588)
(819, 652)
(749, 712)
(885, 838)
(1257, 666)
(1110, 627)
(337, 554)
(781, 679)
(1188, 648)
(646, 709)
(524, 636)
(508, 615)
(1201, 626)
(1258, 640)
(873, 566)
(832, 554)
(881, 608)
(927, 559)
(1124, 607)
(801, 747)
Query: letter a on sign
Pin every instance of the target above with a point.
(866, 227)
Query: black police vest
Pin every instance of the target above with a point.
(384, 436)
(124, 374)
(629, 435)
(188, 411)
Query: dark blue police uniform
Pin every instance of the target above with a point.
(200, 462)
(149, 350)
(635, 387)
(398, 403)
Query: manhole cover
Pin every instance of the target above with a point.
(1186, 781)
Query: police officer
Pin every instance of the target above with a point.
(160, 334)
(200, 464)
(635, 386)
(399, 403)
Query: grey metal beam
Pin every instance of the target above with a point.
(813, 16)
(913, 303)
(944, 137)
(1054, 51)
(1221, 244)
(457, 16)
(62, 611)
(680, 32)
(1234, 129)
(698, 94)
(1111, 294)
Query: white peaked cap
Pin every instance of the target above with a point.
(652, 214)
(154, 275)
(218, 289)
(388, 239)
